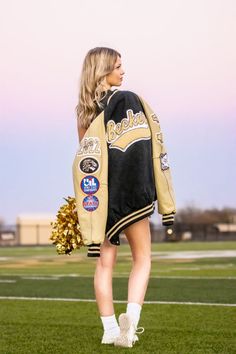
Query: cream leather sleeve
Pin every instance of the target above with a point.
(90, 178)
(163, 180)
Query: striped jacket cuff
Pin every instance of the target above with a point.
(94, 250)
(168, 219)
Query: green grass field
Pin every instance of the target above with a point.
(47, 302)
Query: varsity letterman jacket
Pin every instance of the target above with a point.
(120, 169)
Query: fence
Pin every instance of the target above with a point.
(37, 234)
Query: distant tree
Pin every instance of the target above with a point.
(194, 215)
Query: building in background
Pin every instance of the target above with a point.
(34, 229)
(29, 230)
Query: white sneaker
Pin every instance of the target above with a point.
(128, 332)
(109, 338)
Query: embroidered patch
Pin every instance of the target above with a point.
(89, 165)
(164, 161)
(89, 184)
(155, 118)
(90, 145)
(159, 137)
(90, 203)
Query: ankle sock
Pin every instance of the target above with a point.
(134, 310)
(110, 324)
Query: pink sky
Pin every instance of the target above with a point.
(178, 54)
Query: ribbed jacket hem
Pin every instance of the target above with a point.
(113, 233)
(94, 250)
(168, 219)
(137, 215)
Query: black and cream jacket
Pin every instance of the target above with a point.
(120, 169)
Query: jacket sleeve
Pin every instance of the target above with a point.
(163, 179)
(90, 169)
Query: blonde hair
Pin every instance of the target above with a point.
(98, 63)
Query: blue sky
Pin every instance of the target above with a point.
(178, 55)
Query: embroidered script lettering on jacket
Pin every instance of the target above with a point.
(159, 137)
(132, 128)
(164, 161)
(155, 118)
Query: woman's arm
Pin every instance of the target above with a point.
(81, 131)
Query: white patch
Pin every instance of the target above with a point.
(90, 146)
(164, 161)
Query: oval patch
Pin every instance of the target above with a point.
(89, 165)
(90, 203)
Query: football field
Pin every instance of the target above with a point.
(47, 302)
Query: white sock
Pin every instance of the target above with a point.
(110, 324)
(134, 310)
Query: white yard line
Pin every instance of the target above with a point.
(40, 278)
(7, 281)
(2, 259)
(155, 254)
(189, 277)
(115, 301)
(121, 275)
(195, 254)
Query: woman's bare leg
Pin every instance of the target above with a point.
(103, 278)
(139, 238)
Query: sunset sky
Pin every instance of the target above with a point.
(179, 55)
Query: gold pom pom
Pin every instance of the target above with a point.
(66, 233)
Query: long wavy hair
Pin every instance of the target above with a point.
(98, 63)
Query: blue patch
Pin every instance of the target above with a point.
(90, 203)
(89, 184)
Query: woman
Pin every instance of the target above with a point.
(132, 189)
